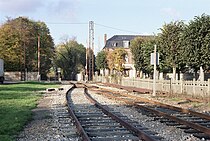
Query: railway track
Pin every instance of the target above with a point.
(191, 122)
(97, 122)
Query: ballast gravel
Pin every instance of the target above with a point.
(168, 133)
(51, 121)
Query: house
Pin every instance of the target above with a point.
(123, 41)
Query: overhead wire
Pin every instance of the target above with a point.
(82, 23)
(64, 23)
(123, 30)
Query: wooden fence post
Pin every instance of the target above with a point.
(182, 85)
(133, 82)
(208, 87)
(193, 86)
(171, 91)
(162, 82)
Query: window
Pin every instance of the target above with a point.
(114, 44)
(126, 44)
(126, 58)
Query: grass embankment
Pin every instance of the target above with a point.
(16, 103)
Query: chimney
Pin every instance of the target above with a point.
(105, 38)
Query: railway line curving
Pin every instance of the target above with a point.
(96, 124)
(95, 121)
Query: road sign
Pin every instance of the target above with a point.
(152, 58)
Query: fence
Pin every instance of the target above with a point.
(16, 76)
(194, 88)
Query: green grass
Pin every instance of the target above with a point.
(16, 103)
(175, 99)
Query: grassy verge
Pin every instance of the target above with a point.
(16, 103)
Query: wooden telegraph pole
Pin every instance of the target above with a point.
(38, 56)
(86, 65)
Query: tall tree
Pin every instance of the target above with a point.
(46, 47)
(119, 59)
(116, 59)
(110, 61)
(148, 48)
(101, 61)
(141, 47)
(170, 45)
(71, 58)
(18, 45)
(137, 52)
(197, 43)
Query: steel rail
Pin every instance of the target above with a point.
(186, 111)
(71, 112)
(142, 135)
(188, 123)
(171, 107)
(129, 88)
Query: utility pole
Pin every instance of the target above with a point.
(154, 79)
(86, 63)
(24, 45)
(91, 47)
(38, 56)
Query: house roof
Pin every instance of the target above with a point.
(118, 40)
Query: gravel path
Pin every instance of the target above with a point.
(50, 121)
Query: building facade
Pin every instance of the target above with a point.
(122, 41)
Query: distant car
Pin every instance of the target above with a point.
(1, 70)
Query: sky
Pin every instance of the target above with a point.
(70, 18)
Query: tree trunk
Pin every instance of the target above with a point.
(110, 72)
(195, 74)
(201, 75)
(103, 72)
(174, 73)
(141, 74)
(179, 73)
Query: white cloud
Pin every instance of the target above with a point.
(171, 12)
(48, 10)
(63, 8)
(20, 6)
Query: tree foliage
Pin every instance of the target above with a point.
(148, 48)
(116, 59)
(101, 60)
(170, 45)
(18, 45)
(197, 42)
(180, 46)
(71, 58)
(138, 53)
(119, 59)
(141, 48)
(110, 61)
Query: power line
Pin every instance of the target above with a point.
(84, 23)
(63, 23)
(116, 28)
